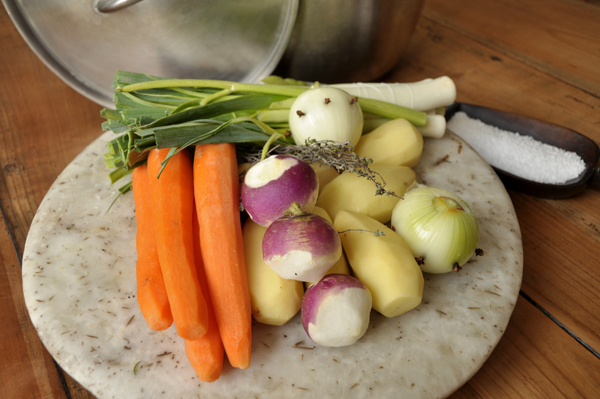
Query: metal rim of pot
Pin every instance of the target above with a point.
(275, 50)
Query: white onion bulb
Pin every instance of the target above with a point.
(438, 226)
(326, 113)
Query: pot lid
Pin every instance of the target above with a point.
(226, 39)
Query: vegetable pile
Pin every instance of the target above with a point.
(337, 225)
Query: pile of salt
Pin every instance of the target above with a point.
(519, 155)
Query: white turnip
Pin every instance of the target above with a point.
(301, 246)
(272, 185)
(336, 311)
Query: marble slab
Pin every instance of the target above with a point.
(79, 287)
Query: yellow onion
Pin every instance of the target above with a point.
(438, 226)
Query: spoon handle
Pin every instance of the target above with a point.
(594, 182)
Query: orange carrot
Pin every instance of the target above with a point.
(151, 293)
(172, 205)
(205, 354)
(216, 189)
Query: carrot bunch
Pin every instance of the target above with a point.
(191, 268)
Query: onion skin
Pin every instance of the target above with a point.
(326, 113)
(438, 226)
(271, 186)
(301, 247)
(351, 313)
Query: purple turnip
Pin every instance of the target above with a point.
(273, 184)
(301, 246)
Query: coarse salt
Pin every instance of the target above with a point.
(514, 153)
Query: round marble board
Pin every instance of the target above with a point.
(80, 290)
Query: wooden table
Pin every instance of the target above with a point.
(539, 58)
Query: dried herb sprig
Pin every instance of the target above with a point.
(340, 156)
(376, 233)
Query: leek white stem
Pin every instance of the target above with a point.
(421, 96)
(435, 126)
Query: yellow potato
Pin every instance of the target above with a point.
(274, 300)
(243, 167)
(339, 267)
(325, 174)
(396, 142)
(350, 192)
(383, 263)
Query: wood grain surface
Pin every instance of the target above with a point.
(538, 58)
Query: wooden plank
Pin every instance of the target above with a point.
(562, 268)
(39, 102)
(26, 369)
(546, 34)
(487, 77)
(535, 359)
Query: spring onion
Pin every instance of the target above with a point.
(439, 227)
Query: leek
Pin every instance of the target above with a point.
(155, 112)
(424, 95)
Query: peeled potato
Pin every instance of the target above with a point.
(383, 263)
(243, 167)
(325, 174)
(396, 142)
(357, 194)
(274, 300)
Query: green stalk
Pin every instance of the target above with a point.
(266, 128)
(190, 93)
(250, 101)
(215, 96)
(392, 111)
(147, 103)
(119, 173)
(274, 116)
(267, 145)
(198, 139)
(381, 108)
(285, 104)
(289, 91)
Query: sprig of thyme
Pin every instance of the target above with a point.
(340, 156)
(376, 233)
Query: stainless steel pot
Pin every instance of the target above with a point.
(85, 41)
(339, 41)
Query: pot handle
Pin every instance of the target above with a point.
(108, 6)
